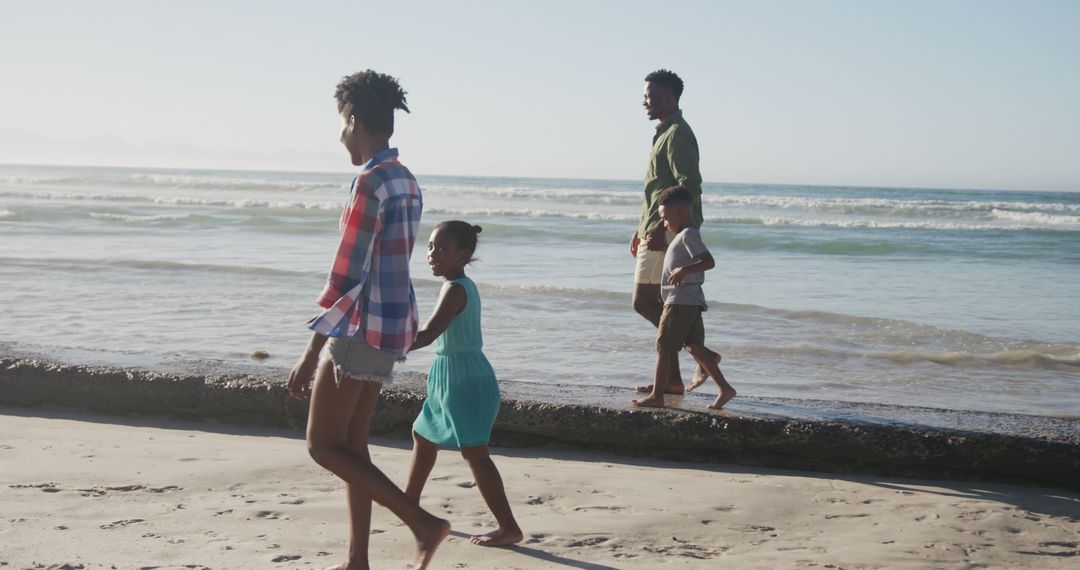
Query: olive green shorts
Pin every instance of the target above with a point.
(680, 325)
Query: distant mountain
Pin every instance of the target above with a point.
(19, 146)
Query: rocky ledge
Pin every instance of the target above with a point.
(797, 434)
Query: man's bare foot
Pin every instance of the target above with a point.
(650, 401)
(427, 543)
(498, 537)
(701, 375)
(724, 397)
(668, 389)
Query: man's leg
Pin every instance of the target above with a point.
(648, 304)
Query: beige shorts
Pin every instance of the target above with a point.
(649, 265)
(354, 359)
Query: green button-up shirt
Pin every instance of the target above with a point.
(672, 162)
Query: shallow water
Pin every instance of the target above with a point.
(944, 298)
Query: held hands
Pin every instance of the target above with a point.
(656, 238)
(302, 375)
(634, 243)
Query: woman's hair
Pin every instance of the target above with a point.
(463, 232)
(373, 97)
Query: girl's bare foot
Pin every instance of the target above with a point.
(701, 375)
(498, 537)
(724, 397)
(650, 401)
(427, 543)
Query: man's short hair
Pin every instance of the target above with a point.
(676, 196)
(667, 79)
(373, 97)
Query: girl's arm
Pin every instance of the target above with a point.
(452, 300)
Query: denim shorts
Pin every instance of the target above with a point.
(354, 359)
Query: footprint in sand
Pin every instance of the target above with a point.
(536, 538)
(1055, 548)
(857, 516)
(601, 508)
(590, 541)
(285, 558)
(539, 500)
(45, 487)
(467, 484)
(270, 515)
(122, 523)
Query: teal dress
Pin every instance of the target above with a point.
(463, 394)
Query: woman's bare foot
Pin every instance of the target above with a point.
(701, 375)
(650, 401)
(668, 389)
(498, 537)
(427, 543)
(724, 397)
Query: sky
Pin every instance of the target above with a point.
(952, 94)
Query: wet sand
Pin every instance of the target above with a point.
(129, 493)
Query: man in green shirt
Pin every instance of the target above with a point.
(672, 162)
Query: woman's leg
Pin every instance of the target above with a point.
(491, 488)
(359, 499)
(334, 411)
(423, 460)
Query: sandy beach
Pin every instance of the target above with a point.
(103, 492)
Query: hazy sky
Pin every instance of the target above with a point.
(980, 94)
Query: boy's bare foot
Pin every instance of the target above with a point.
(427, 543)
(668, 389)
(650, 401)
(724, 397)
(701, 375)
(498, 537)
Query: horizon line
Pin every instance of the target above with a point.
(505, 177)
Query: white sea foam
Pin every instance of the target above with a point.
(133, 218)
(149, 181)
(175, 200)
(531, 213)
(1018, 225)
(1036, 218)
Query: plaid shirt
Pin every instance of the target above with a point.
(368, 293)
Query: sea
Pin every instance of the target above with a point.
(946, 298)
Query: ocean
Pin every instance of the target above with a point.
(962, 299)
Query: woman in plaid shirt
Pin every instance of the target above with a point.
(370, 316)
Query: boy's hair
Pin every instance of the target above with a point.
(667, 79)
(373, 97)
(676, 196)
(464, 233)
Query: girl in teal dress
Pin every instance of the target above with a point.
(463, 394)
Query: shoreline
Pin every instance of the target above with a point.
(833, 437)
